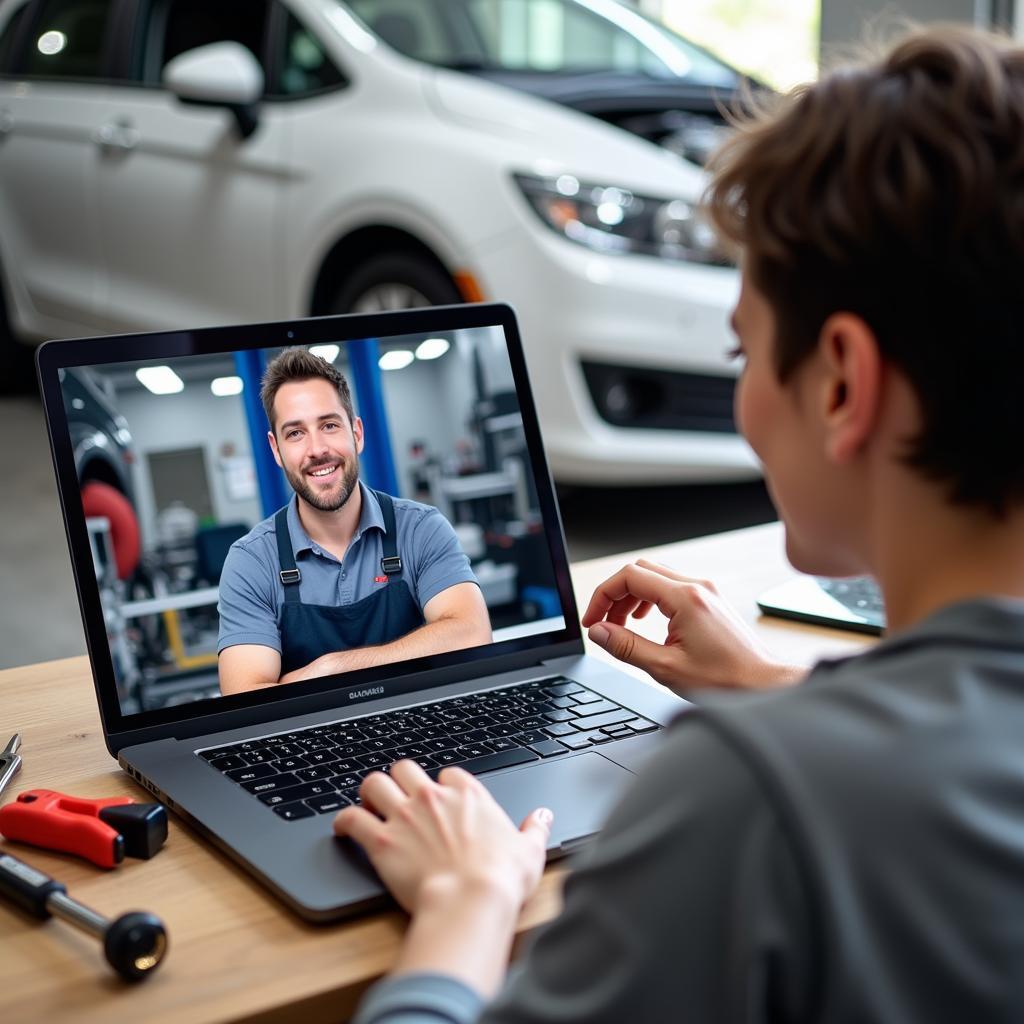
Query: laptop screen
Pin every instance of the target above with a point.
(382, 508)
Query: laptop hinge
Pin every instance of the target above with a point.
(571, 845)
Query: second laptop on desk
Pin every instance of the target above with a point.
(855, 604)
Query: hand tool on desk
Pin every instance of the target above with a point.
(103, 831)
(134, 943)
(10, 761)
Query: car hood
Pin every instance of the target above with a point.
(540, 137)
(609, 92)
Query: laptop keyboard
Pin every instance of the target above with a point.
(861, 594)
(319, 770)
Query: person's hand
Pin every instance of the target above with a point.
(708, 644)
(444, 841)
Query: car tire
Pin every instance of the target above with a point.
(17, 360)
(395, 281)
(101, 499)
(17, 367)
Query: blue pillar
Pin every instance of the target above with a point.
(273, 493)
(377, 460)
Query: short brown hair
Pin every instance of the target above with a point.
(298, 364)
(894, 189)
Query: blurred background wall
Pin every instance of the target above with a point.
(782, 41)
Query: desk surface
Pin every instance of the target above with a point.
(236, 952)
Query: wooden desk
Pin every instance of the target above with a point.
(235, 952)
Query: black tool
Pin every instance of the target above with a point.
(134, 943)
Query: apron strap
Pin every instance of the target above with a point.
(390, 564)
(289, 573)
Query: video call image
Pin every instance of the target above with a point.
(232, 557)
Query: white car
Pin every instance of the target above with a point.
(178, 163)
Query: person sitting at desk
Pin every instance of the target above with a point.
(850, 848)
(342, 577)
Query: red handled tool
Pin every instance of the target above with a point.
(103, 831)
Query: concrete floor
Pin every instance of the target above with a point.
(39, 617)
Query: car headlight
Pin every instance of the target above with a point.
(612, 219)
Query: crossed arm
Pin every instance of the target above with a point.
(456, 618)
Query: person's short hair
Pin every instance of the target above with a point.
(299, 364)
(894, 190)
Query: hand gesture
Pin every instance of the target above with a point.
(708, 644)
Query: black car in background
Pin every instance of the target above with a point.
(99, 435)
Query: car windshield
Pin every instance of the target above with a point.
(561, 36)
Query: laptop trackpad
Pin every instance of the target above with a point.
(581, 790)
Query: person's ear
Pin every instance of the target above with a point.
(273, 447)
(851, 385)
(357, 434)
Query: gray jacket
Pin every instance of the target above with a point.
(848, 850)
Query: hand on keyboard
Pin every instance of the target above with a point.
(444, 841)
(708, 644)
(318, 770)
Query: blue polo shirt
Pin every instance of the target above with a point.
(252, 594)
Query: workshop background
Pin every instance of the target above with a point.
(778, 42)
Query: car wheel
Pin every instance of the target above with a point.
(17, 367)
(395, 281)
(17, 360)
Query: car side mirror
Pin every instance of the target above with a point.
(219, 75)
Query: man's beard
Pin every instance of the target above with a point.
(326, 502)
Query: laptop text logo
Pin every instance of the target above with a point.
(373, 691)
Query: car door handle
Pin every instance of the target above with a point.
(121, 135)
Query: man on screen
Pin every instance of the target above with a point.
(342, 577)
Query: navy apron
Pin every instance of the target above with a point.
(309, 631)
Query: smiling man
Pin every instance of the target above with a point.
(342, 577)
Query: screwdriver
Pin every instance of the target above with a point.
(134, 943)
(10, 761)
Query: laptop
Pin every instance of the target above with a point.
(853, 603)
(160, 448)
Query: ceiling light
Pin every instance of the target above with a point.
(328, 352)
(396, 359)
(432, 348)
(222, 386)
(161, 380)
(51, 43)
